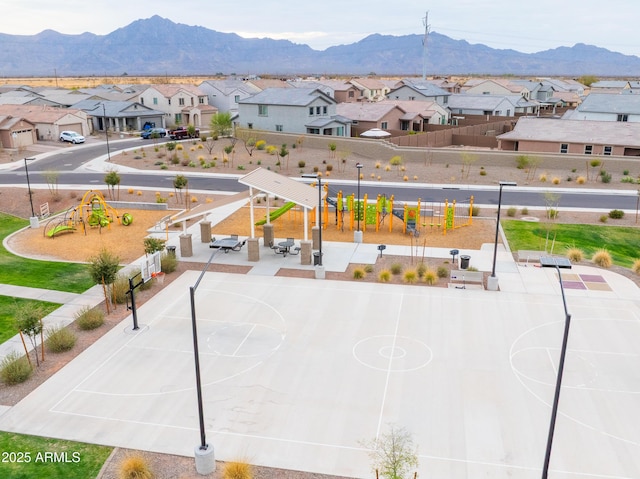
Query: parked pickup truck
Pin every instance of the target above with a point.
(182, 132)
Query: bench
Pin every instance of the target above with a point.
(530, 256)
(463, 279)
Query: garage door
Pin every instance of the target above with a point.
(22, 138)
(77, 127)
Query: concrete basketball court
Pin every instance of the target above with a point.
(297, 373)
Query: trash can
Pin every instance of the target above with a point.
(464, 261)
(171, 251)
(316, 258)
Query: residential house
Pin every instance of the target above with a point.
(607, 107)
(120, 115)
(293, 110)
(16, 132)
(610, 86)
(418, 90)
(493, 105)
(49, 122)
(343, 91)
(264, 83)
(418, 114)
(496, 86)
(182, 104)
(549, 135)
(364, 116)
(226, 94)
(371, 89)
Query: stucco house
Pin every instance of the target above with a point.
(550, 135)
(496, 86)
(226, 94)
(293, 110)
(493, 105)
(417, 90)
(364, 116)
(344, 92)
(16, 132)
(371, 89)
(182, 104)
(610, 86)
(120, 115)
(49, 122)
(607, 107)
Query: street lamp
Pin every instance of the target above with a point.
(492, 282)
(34, 223)
(557, 263)
(358, 233)
(106, 130)
(319, 178)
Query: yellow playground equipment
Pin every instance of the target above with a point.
(93, 211)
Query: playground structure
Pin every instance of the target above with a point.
(93, 211)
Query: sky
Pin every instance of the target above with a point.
(523, 26)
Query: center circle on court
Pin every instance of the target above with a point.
(392, 353)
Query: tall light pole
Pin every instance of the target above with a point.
(358, 233)
(492, 283)
(33, 221)
(106, 130)
(557, 263)
(319, 178)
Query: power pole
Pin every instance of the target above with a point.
(427, 27)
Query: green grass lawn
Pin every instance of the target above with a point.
(7, 329)
(26, 457)
(621, 242)
(70, 277)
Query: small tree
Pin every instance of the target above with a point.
(229, 150)
(191, 131)
(284, 153)
(28, 321)
(180, 182)
(52, 178)
(221, 124)
(152, 245)
(393, 454)
(332, 150)
(468, 159)
(112, 179)
(104, 270)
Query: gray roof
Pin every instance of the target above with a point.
(116, 109)
(365, 111)
(613, 133)
(477, 102)
(424, 88)
(609, 103)
(287, 96)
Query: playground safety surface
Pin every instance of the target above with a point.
(292, 385)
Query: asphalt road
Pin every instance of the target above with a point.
(71, 159)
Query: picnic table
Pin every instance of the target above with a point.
(284, 247)
(232, 243)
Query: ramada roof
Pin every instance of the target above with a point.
(575, 131)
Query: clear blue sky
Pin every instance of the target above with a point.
(523, 26)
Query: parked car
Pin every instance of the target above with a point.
(153, 133)
(71, 137)
(182, 132)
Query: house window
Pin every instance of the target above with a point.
(310, 111)
(588, 149)
(607, 150)
(141, 101)
(351, 95)
(313, 131)
(178, 118)
(279, 128)
(155, 100)
(191, 101)
(324, 110)
(384, 125)
(340, 131)
(181, 101)
(263, 110)
(327, 131)
(201, 100)
(623, 117)
(250, 126)
(169, 101)
(317, 110)
(564, 148)
(355, 122)
(236, 98)
(412, 98)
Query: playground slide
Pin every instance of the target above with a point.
(59, 229)
(275, 214)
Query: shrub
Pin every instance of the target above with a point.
(368, 268)
(301, 164)
(15, 369)
(89, 318)
(442, 272)
(384, 276)
(602, 258)
(616, 214)
(168, 263)
(237, 470)
(475, 210)
(483, 172)
(552, 213)
(410, 276)
(358, 273)
(134, 466)
(625, 172)
(421, 270)
(430, 277)
(119, 289)
(396, 268)
(603, 218)
(555, 180)
(329, 167)
(525, 211)
(575, 255)
(59, 340)
(581, 180)
(543, 177)
(512, 211)
(636, 266)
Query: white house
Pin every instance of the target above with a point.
(226, 94)
(607, 107)
(417, 90)
(293, 110)
(182, 104)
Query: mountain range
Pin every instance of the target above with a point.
(158, 46)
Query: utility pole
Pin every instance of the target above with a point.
(427, 27)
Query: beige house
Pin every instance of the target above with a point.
(181, 104)
(371, 89)
(16, 133)
(49, 122)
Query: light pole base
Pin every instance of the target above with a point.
(34, 222)
(205, 460)
(492, 283)
(320, 272)
(357, 236)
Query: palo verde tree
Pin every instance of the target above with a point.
(393, 454)
(28, 321)
(112, 179)
(103, 269)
